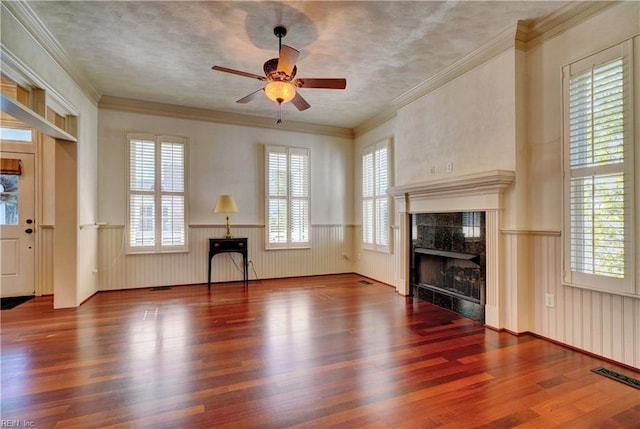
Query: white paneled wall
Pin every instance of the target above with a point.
(120, 271)
(380, 266)
(600, 323)
(44, 270)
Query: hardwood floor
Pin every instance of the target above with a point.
(313, 352)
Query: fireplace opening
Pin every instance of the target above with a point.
(448, 261)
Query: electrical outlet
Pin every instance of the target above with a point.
(432, 170)
(549, 300)
(449, 167)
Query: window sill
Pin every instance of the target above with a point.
(155, 252)
(305, 247)
(625, 294)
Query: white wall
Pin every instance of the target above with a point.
(226, 159)
(374, 264)
(38, 66)
(600, 323)
(470, 122)
(506, 114)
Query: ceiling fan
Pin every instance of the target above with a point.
(279, 74)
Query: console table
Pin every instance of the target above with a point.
(229, 245)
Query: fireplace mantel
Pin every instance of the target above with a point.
(494, 181)
(481, 191)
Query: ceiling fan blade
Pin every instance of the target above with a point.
(306, 82)
(250, 97)
(238, 72)
(287, 60)
(300, 103)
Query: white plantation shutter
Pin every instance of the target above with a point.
(381, 197)
(142, 220)
(299, 181)
(598, 174)
(288, 197)
(142, 155)
(172, 190)
(375, 201)
(277, 191)
(367, 198)
(157, 193)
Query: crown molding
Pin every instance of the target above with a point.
(207, 115)
(500, 43)
(522, 36)
(23, 75)
(568, 16)
(24, 14)
(375, 121)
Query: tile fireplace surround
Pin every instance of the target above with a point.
(448, 263)
(472, 192)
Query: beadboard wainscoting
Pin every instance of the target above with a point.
(44, 260)
(604, 324)
(377, 265)
(331, 252)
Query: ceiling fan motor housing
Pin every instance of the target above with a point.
(271, 71)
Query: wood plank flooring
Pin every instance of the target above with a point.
(317, 352)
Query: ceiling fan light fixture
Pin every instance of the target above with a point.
(279, 91)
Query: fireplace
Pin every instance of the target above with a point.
(448, 261)
(474, 192)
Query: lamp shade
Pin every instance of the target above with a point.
(279, 91)
(225, 204)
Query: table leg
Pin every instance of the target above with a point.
(245, 273)
(209, 273)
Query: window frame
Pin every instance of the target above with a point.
(376, 244)
(157, 193)
(618, 285)
(288, 198)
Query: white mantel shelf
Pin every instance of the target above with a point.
(486, 182)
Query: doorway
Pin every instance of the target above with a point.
(17, 224)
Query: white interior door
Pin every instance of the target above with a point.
(17, 227)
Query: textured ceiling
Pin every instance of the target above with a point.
(163, 51)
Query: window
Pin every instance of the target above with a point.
(16, 134)
(156, 193)
(375, 201)
(287, 197)
(598, 172)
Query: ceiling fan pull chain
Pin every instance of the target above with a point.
(279, 121)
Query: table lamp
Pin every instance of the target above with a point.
(226, 204)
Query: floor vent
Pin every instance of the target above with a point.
(365, 282)
(633, 382)
(153, 289)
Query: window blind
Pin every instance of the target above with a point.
(299, 186)
(375, 201)
(367, 198)
(597, 170)
(157, 193)
(141, 193)
(288, 197)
